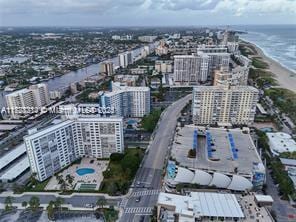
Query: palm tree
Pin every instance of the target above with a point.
(58, 203)
(50, 210)
(59, 178)
(101, 202)
(24, 204)
(33, 179)
(70, 179)
(34, 203)
(8, 203)
(63, 184)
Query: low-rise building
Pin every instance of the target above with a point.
(225, 159)
(280, 142)
(147, 38)
(164, 66)
(198, 206)
(127, 80)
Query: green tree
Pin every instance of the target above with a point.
(1, 187)
(33, 179)
(24, 204)
(17, 188)
(149, 121)
(34, 203)
(58, 203)
(50, 210)
(8, 203)
(63, 185)
(131, 163)
(192, 153)
(70, 179)
(59, 178)
(101, 202)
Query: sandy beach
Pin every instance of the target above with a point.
(285, 77)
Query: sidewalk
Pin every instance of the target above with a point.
(56, 194)
(69, 206)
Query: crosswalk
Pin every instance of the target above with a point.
(123, 203)
(138, 210)
(145, 193)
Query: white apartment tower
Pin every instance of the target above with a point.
(107, 67)
(53, 148)
(222, 105)
(125, 59)
(190, 69)
(128, 101)
(36, 96)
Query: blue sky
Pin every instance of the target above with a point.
(145, 12)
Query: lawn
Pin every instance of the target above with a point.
(38, 187)
(262, 77)
(259, 63)
(247, 50)
(285, 100)
(121, 171)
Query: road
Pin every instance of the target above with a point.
(76, 200)
(147, 183)
(282, 208)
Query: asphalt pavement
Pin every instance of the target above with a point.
(149, 175)
(147, 184)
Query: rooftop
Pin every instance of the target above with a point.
(7, 127)
(12, 155)
(213, 204)
(16, 170)
(203, 204)
(218, 150)
(281, 142)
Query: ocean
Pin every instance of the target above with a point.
(276, 41)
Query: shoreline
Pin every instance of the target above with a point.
(285, 77)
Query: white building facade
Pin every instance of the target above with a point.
(125, 59)
(221, 105)
(128, 101)
(57, 146)
(36, 96)
(190, 69)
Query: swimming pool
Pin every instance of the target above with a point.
(84, 171)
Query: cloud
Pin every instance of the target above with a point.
(184, 4)
(65, 6)
(245, 7)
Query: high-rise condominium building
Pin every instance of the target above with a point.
(236, 77)
(36, 96)
(190, 69)
(128, 101)
(222, 105)
(218, 56)
(125, 59)
(53, 148)
(107, 67)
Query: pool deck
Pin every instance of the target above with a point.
(94, 178)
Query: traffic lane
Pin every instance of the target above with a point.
(76, 201)
(166, 128)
